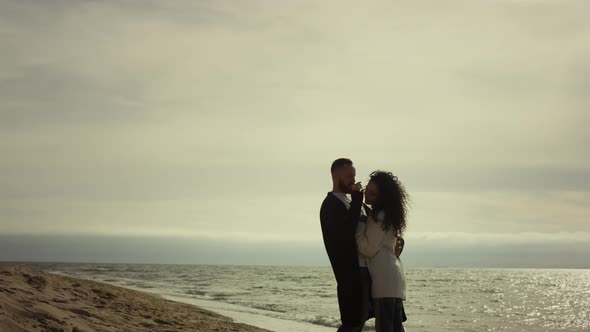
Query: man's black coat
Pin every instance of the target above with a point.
(338, 229)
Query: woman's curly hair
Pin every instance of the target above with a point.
(393, 200)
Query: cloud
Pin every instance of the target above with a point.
(499, 212)
(273, 217)
(192, 117)
(463, 239)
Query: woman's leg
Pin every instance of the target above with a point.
(399, 316)
(388, 315)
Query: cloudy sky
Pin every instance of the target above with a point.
(203, 131)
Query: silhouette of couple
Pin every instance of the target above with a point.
(364, 242)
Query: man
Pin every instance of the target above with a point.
(339, 217)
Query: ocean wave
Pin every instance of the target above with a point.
(269, 307)
(97, 269)
(323, 321)
(195, 292)
(221, 296)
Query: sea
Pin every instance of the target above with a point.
(288, 299)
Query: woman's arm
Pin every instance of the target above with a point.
(369, 238)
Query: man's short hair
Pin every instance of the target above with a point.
(339, 163)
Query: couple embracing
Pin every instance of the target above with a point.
(363, 242)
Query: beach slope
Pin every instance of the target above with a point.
(34, 300)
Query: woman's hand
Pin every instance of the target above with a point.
(357, 187)
(399, 246)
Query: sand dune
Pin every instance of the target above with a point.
(34, 300)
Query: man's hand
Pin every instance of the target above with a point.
(357, 187)
(399, 246)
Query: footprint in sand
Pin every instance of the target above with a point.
(104, 294)
(60, 301)
(78, 329)
(43, 318)
(81, 312)
(6, 290)
(162, 322)
(38, 282)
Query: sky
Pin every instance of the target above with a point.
(203, 131)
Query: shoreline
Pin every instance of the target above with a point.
(35, 300)
(253, 316)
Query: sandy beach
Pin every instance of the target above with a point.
(34, 300)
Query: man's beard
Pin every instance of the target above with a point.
(345, 188)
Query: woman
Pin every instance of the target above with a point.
(376, 240)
